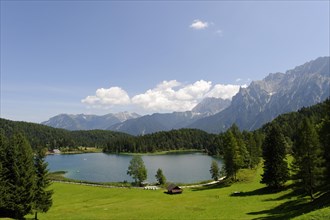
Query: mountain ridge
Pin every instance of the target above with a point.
(277, 93)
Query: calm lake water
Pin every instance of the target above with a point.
(101, 167)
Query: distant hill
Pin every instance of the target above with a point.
(45, 136)
(135, 124)
(88, 122)
(167, 121)
(276, 94)
(156, 122)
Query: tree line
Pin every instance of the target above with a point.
(162, 141)
(42, 136)
(23, 178)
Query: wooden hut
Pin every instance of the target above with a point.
(174, 189)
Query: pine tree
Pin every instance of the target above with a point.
(42, 197)
(3, 182)
(324, 135)
(214, 170)
(276, 171)
(308, 158)
(160, 177)
(243, 152)
(232, 158)
(19, 173)
(252, 148)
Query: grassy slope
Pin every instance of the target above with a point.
(84, 202)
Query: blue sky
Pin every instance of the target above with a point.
(98, 57)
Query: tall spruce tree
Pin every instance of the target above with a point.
(3, 182)
(19, 173)
(324, 135)
(243, 152)
(252, 148)
(307, 158)
(232, 159)
(276, 171)
(42, 195)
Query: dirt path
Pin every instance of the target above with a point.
(204, 184)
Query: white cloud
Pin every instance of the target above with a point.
(199, 25)
(223, 91)
(172, 96)
(106, 97)
(168, 96)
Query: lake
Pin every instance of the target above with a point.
(101, 167)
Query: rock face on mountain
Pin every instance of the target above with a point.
(211, 106)
(276, 94)
(88, 122)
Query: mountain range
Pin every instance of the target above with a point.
(249, 109)
(276, 94)
(88, 122)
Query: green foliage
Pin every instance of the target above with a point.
(18, 172)
(253, 148)
(3, 181)
(137, 169)
(214, 170)
(23, 178)
(41, 136)
(324, 135)
(243, 152)
(276, 171)
(232, 158)
(163, 141)
(42, 196)
(160, 177)
(308, 159)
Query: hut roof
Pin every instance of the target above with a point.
(172, 186)
(173, 189)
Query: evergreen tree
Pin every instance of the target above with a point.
(307, 158)
(324, 135)
(19, 173)
(137, 170)
(243, 152)
(252, 148)
(160, 177)
(215, 171)
(276, 171)
(232, 158)
(42, 197)
(3, 182)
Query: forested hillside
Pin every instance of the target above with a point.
(163, 141)
(41, 136)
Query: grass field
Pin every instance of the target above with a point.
(242, 200)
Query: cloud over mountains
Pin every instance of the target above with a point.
(167, 96)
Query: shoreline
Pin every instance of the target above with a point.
(99, 150)
(58, 176)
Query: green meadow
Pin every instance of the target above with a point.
(247, 199)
